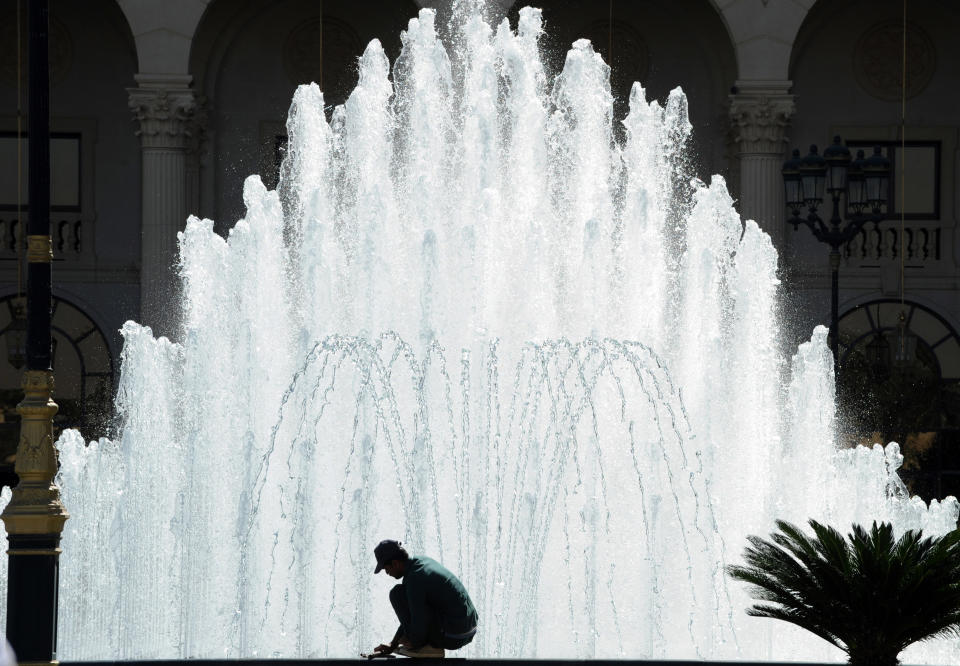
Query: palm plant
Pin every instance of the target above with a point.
(871, 595)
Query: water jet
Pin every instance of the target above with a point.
(472, 318)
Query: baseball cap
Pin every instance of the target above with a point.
(386, 550)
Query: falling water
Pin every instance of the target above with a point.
(473, 319)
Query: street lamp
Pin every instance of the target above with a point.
(876, 173)
(34, 516)
(865, 184)
(856, 185)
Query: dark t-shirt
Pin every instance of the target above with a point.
(432, 591)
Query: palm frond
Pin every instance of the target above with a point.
(869, 593)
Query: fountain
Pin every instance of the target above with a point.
(472, 319)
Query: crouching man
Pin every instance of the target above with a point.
(434, 609)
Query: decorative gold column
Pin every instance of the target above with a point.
(35, 507)
(35, 515)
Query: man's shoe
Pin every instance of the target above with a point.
(425, 652)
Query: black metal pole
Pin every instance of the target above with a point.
(39, 273)
(835, 222)
(835, 309)
(34, 516)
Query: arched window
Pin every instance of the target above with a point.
(83, 371)
(899, 380)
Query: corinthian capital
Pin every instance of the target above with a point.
(760, 118)
(165, 110)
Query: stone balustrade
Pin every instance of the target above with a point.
(66, 229)
(918, 243)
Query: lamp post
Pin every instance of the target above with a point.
(864, 182)
(34, 517)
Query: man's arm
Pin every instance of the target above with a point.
(398, 640)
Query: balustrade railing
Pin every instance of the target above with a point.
(873, 243)
(66, 230)
(879, 242)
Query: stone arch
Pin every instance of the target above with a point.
(92, 52)
(248, 60)
(83, 364)
(880, 317)
(718, 6)
(762, 34)
(163, 33)
(97, 194)
(846, 70)
(862, 68)
(222, 24)
(914, 400)
(65, 29)
(645, 47)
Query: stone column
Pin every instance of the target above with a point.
(164, 109)
(760, 114)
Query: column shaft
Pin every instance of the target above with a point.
(760, 114)
(164, 213)
(762, 193)
(164, 108)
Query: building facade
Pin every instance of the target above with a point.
(160, 109)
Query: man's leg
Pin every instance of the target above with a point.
(457, 641)
(434, 632)
(433, 647)
(398, 599)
